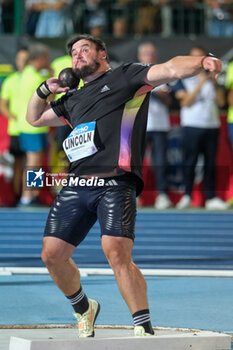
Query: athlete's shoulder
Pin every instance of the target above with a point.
(132, 65)
(132, 70)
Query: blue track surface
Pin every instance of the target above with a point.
(189, 302)
(187, 240)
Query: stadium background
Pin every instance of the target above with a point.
(172, 240)
(190, 28)
(125, 50)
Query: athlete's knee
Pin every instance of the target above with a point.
(49, 256)
(56, 251)
(117, 251)
(118, 258)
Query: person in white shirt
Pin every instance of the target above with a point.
(55, 18)
(158, 126)
(199, 98)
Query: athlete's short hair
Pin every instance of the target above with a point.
(99, 43)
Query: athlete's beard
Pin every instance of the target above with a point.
(87, 70)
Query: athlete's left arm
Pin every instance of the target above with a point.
(181, 67)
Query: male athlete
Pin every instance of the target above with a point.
(108, 116)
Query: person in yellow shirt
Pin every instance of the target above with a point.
(33, 140)
(10, 106)
(229, 86)
(61, 132)
(60, 63)
(60, 161)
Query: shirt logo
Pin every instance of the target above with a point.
(144, 64)
(35, 178)
(111, 183)
(105, 88)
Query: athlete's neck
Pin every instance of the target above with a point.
(102, 69)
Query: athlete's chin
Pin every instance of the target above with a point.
(79, 64)
(79, 70)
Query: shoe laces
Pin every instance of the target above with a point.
(84, 325)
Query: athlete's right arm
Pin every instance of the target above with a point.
(39, 112)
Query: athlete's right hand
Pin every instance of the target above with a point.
(55, 87)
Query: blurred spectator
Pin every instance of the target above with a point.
(166, 17)
(158, 126)
(10, 106)
(59, 160)
(220, 22)
(33, 140)
(170, 16)
(1, 1)
(122, 16)
(32, 16)
(60, 63)
(188, 17)
(229, 86)
(119, 28)
(148, 18)
(7, 9)
(55, 18)
(96, 17)
(199, 114)
(62, 132)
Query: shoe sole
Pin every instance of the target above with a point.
(97, 313)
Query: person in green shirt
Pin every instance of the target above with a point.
(33, 140)
(58, 64)
(10, 106)
(59, 159)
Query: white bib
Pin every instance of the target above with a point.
(80, 142)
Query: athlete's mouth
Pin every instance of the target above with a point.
(81, 61)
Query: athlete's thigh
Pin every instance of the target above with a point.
(69, 218)
(117, 211)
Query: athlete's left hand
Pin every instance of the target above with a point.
(213, 65)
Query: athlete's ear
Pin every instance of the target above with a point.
(103, 55)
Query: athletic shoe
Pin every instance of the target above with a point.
(162, 202)
(139, 331)
(216, 204)
(184, 203)
(86, 321)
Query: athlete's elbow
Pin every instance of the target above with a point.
(176, 68)
(29, 120)
(32, 121)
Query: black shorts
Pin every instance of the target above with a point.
(76, 209)
(15, 149)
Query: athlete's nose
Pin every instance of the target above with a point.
(79, 54)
